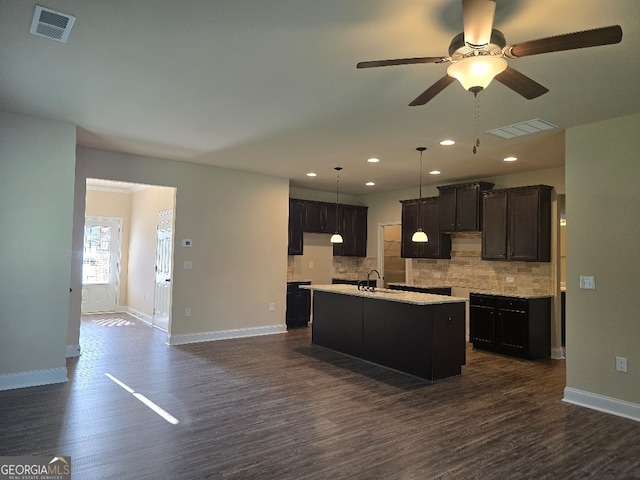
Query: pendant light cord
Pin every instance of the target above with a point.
(420, 149)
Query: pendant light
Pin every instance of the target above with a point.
(419, 236)
(336, 237)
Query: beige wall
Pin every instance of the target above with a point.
(145, 205)
(101, 203)
(603, 240)
(238, 224)
(36, 192)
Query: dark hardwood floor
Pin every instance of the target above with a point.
(277, 407)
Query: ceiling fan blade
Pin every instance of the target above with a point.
(432, 91)
(477, 17)
(401, 61)
(568, 41)
(521, 84)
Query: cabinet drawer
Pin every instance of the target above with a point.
(482, 300)
(509, 303)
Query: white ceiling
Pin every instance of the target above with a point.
(271, 86)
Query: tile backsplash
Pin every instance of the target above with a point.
(464, 270)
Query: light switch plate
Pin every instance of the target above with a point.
(187, 265)
(587, 282)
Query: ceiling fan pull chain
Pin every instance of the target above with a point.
(476, 122)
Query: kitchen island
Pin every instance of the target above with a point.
(416, 333)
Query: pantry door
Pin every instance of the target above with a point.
(100, 264)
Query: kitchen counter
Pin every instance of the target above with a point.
(514, 295)
(416, 333)
(387, 294)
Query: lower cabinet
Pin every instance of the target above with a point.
(511, 325)
(298, 305)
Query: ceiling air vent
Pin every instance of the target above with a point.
(524, 128)
(51, 24)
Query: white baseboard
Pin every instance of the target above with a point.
(224, 334)
(73, 351)
(621, 408)
(139, 315)
(33, 379)
(557, 353)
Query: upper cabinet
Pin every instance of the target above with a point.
(352, 222)
(439, 244)
(517, 224)
(320, 217)
(461, 206)
(296, 219)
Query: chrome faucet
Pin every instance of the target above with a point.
(369, 287)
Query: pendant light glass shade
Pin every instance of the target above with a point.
(336, 237)
(477, 71)
(419, 236)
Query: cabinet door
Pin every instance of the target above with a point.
(447, 208)
(482, 326)
(523, 225)
(439, 244)
(512, 334)
(360, 232)
(315, 217)
(353, 223)
(467, 208)
(296, 213)
(409, 249)
(494, 231)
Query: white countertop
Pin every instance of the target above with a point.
(386, 294)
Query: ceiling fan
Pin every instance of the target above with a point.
(479, 53)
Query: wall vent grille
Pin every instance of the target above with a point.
(524, 128)
(51, 24)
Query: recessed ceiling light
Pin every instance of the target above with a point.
(373, 160)
(510, 159)
(370, 184)
(311, 174)
(447, 142)
(434, 172)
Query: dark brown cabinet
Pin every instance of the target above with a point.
(460, 206)
(298, 305)
(439, 244)
(320, 217)
(511, 325)
(352, 221)
(517, 224)
(296, 230)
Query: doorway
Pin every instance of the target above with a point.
(101, 264)
(391, 265)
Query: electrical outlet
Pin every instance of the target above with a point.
(311, 264)
(587, 283)
(272, 307)
(621, 364)
(187, 312)
(510, 279)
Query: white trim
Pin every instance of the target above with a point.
(224, 334)
(33, 378)
(73, 351)
(380, 250)
(621, 408)
(557, 353)
(139, 315)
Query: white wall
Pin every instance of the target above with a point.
(36, 193)
(603, 240)
(238, 224)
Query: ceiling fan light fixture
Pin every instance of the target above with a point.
(477, 70)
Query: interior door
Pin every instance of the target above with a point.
(100, 265)
(164, 255)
